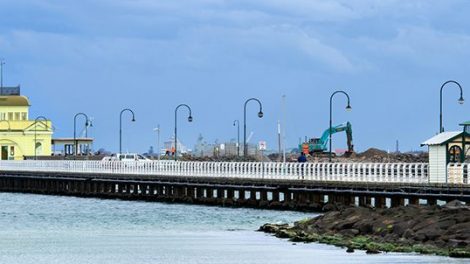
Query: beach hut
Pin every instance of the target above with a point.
(445, 148)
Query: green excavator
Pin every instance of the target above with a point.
(320, 145)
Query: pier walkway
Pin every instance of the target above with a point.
(299, 186)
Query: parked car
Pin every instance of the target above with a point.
(127, 157)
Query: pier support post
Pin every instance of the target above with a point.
(275, 196)
(190, 192)
(199, 193)
(241, 195)
(230, 194)
(397, 201)
(431, 201)
(364, 201)
(380, 202)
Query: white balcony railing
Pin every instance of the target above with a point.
(344, 172)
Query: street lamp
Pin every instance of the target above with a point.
(461, 101)
(348, 108)
(190, 119)
(35, 133)
(260, 115)
(237, 123)
(120, 126)
(75, 130)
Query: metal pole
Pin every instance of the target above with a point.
(279, 138)
(2, 62)
(190, 119)
(120, 126)
(260, 115)
(348, 107)
(75, 152)
(238, 136)
(90, 124)
(461, 101)
(283, 128)
(157, 129)
(158, 142)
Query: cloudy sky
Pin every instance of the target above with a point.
(99, 56)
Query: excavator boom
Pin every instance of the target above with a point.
(321, 144)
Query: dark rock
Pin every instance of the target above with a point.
(454, 203)
(459, 253)
(423, 229)
(349, 232)
(272, 228)
(372, 251)
(350, 250)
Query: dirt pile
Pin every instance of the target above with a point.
(424, 229)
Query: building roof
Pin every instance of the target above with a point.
(15, 90)
(466, 123)
(62, 141)
(15, 100)
(441, 138)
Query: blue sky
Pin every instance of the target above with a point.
(103, 55)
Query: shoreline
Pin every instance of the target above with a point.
(431, 230)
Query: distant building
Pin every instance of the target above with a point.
(169, 146)
(19, 135)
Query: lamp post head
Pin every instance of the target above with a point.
(133, 119)
(461, 100)
(349, 108)
(190, 119)
(260, 114)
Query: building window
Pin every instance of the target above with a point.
(10, 116)
(38, 148)
(454, 154)
(17, 116)
(2, 116)
(24, 116)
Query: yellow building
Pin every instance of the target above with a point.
(20, 136)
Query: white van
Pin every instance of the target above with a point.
(128, 157)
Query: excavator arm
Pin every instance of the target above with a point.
(336, 129)
(321, 144)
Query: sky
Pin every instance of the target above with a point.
(100, 56)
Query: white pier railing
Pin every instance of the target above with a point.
(457, 173)
(344, 172)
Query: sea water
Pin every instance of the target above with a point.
(57, 229)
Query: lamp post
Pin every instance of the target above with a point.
(75, 152)
(35, 133)
(348, 108)
(237, 123)
(461, 101)
(190, 119)
(260, 115)
(120, 126)
(90, 124)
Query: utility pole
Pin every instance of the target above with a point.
(2, 62)
(283, 130)
(279, 137)
(158, 140)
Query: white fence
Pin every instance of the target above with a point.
(457, 173)
(345, 172)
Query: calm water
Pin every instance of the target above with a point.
(53, 229)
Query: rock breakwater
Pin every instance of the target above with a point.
(441, 230)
